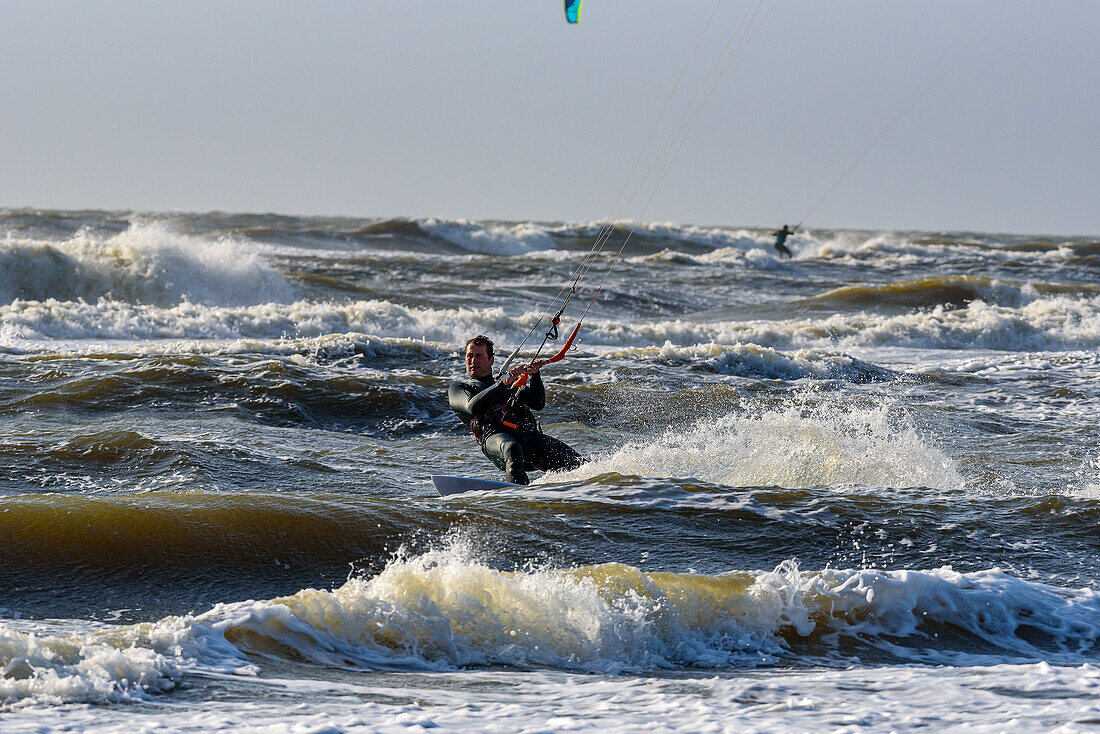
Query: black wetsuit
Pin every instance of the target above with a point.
(509, 434)
(781, 236)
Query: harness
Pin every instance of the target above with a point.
(508, 415)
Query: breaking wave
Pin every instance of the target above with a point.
(1045, 323)
(753, 360)
(949, 291)
(147, 263)
(444, 609)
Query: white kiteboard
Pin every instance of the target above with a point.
(446, 485)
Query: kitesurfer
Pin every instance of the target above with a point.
(781, 236)
(502, 421)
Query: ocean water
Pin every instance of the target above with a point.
(858, 490)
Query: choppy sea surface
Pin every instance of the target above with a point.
(858, 490)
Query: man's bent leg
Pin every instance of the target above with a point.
(507, 453)
(550, 454)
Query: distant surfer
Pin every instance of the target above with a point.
(781, 236)
(502, 422)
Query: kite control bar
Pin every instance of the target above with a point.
(522, 379)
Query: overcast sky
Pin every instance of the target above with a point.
(988, 111)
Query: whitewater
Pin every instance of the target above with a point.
(855, 491)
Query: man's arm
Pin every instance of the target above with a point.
(464, 400)
(533, 393)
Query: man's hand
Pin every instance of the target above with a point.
(515, 372)
(535, 365)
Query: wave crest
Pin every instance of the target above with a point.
(146, 264)
(444, 609)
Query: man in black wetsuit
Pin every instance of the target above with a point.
(781, 236)
(504, 426)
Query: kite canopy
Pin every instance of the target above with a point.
(572, 10)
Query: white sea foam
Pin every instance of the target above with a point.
(714, 237)
(301, 349)
(1055, 323)
(1019, 364)
(148, 263)
(111, 664)
(444, 609)
(51, 669)
(737, 247)
(847, 243)
(757, 246)
(793, 446)
(518, 238)
(992, 699)
(1044, 324)
(61, 320)
(753, 360)
(892, 249)
(490, 239)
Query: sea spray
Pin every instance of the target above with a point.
(791, 446)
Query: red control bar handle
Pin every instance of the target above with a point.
(521, 381)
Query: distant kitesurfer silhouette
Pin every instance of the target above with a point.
(781, 236)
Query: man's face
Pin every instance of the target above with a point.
(478, 361)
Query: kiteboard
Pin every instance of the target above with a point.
(447, 485)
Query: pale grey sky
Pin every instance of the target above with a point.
(499, 109)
